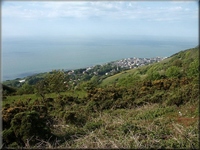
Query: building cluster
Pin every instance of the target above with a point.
(127, 63)
(136, 62)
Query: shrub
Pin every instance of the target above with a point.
(74, 117)
(40, 109)
(8, 114)
(29, 124)
(25, 89)
(177, 63)
(153, 75)
(173, 72)
(193, 69)
(157, 97)
(8, 136)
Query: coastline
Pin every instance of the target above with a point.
(129, 63)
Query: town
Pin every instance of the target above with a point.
(136, 62)
(127, 63)
(108, 69)
(85, 74)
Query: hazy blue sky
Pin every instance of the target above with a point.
(101, 19)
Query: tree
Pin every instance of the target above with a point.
(92, 83)
(25, 89)
(56, 81)
(52, 82)
(41, 88)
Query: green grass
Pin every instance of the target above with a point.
(12, 99)
(32, 97)
(184, 56)
(116, 77)
(112, 79)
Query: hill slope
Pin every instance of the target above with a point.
(184, 60)
(154, 106)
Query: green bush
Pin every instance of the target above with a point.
(177, 62)
(193, 69)
(153, 75)
(26, 89)
(74, 117)
(41, 109)
(29, 124)
(14, 145)
(173, 72)
(157, 97)
(8, 114)
(8, 136)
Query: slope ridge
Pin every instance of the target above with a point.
(183, 60)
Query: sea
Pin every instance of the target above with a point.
(26, 56)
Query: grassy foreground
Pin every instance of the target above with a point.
(77, 123)
(148, 126)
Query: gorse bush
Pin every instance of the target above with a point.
(74, 117)
(8, 114)
(26, 125)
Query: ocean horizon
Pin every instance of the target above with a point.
(23, 57)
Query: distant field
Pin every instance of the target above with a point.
(113, 78)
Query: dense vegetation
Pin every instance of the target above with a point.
(154, 106)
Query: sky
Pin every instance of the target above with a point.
(168, 19)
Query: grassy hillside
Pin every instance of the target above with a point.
(154, 106)
(183, 60)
